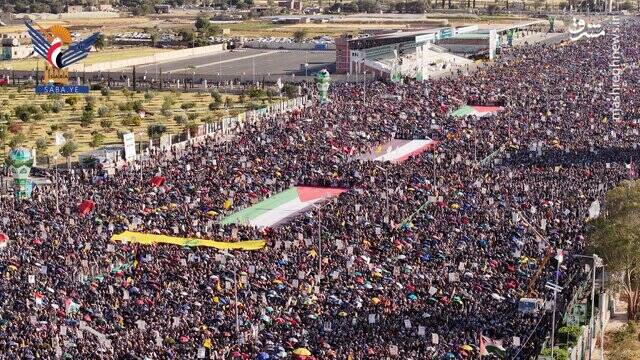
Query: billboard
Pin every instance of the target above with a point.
(129, 146)
(493, 44)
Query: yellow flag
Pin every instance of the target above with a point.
(227, 204)
(207, 343)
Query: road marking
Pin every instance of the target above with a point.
(226, 61)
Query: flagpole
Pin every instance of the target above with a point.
(553, 318)
(480, 345)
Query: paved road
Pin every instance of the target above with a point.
(248, 61)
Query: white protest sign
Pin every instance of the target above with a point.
(393, 350)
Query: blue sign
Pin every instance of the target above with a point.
(60, 89)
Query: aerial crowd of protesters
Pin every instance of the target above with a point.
(416, 259)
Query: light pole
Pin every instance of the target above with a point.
(318, 209)
(140, 156)
(235, 290)
(55, 160)
(597, 262)
(364, 87)
(556, 288)
(435, 158)
(386, 189)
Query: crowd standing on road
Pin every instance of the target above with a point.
(415, 260)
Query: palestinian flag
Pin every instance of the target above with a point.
(398, 150)
(282, 206)
(478, 111)
(490, 346)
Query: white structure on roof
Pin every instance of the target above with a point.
(428, 59)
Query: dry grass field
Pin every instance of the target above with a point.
(111, 113)
(93, 58)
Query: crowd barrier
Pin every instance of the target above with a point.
(227, 126)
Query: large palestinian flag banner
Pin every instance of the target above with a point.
(399, 150)
(478, 111)
(489, 346)
(282, 206)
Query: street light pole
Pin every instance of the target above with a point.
(593, 295)
(318, 209)
(55, 159)
(597, 262)
(364, 87)
(386, 189)
(435, 157)
(235, 291)
(553, 318)
(319, 246)
(602, 317)
(235, 295)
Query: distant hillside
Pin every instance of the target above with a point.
(59, 6)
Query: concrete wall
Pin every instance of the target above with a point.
(171, 55)
(286, 46)
(78, 15)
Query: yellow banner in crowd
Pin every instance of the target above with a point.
(149, 239)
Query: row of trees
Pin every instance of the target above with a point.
(422, 6)
(615, 237)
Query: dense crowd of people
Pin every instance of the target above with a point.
(415, 261)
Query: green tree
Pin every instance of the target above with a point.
(87, 118)
(369, 6)
(214, 105)
(299, 35)
(104, 111)
(188, 105)
(41, 146)
(187, 35)
(615, 237)
(21, 112)
(290, 90)
(180, 119)
(71, 100)
(492, 9)
(67, 150)
(155, 131)
(255, 92)
(17, 140)
(4, 134)
(202, 23)
(216, 96)
(97, 139)
(106, 123)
